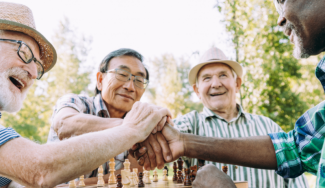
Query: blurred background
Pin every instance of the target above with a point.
(171, 35)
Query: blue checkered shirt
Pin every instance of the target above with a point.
(6, 134)
(300, 150)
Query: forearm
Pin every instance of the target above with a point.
(256, 152)
(50, 164)
(78, 123)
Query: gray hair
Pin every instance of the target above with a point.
(233, 74)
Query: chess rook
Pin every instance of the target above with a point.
(187, 181)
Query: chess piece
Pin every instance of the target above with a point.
(144, 175)
(225, 169)
(81, 182)
(72, 184)
(148, 181)
(140, 184)
(100, 182)
(155, 176)
(179, 177)
(165, 175)
(133, 179)
(183, 172)
(136, 174)
(119, 181)
(187, 181)
(126, 178)
(201, 163)
(166, 168)
(175, 172)
(193, 172)
(112, 179)
(127, 165)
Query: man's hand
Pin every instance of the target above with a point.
(144, 117)
(210, 176)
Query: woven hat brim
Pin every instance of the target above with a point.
(47, 51)
(233, 64)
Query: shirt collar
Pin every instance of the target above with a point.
(320, 72)
(100, 107)
(209, 113)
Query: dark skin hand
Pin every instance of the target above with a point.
(256, 151)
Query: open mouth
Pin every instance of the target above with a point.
(18, 83)
(217, 94)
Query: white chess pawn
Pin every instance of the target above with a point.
(72, 184)
(165, 175)
(135, 170)
(100, 182)
(81, 182)
(133, 179)
(148, 178)
(155, 176)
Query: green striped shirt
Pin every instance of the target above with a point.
(210, 124)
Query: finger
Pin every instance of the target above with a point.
(151, 155)
(165, 148)
(154, 131)
(158, 152)
(170, 121)
(162, 123)
(141, 161)
(140, 152)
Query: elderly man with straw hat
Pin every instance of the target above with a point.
(25, 55)
(216, 80)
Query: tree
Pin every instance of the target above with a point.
(169, 86)
(273, 75)
(69, 75)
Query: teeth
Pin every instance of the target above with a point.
(21, 83)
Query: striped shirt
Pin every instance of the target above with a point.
(210, 124)
(87, 105)
(6, 134)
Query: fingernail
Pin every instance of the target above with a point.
(169, 158)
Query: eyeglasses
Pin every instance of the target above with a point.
(27, 56)
(279, 6)
(125, 76)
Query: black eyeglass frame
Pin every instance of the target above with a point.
(32, 59)
(115, 71)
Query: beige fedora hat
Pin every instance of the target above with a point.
(214, 55)
(17, 17)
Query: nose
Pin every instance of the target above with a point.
(216, 82)
(129, 85)
(281, 20)
(31, 68)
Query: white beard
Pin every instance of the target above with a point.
(12, 101)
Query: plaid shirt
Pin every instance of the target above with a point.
(209, 124)
(300, 150)
(6, 134)
(87, 105)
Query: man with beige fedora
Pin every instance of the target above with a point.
(25, 55)
(216, 80)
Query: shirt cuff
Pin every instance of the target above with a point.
(4, 181)
(7, 134)
(289, 164)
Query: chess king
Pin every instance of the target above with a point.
(289, 154)
(25, 55)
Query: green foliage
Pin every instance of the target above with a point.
(68, 76)
(273, 75)
(169, 86)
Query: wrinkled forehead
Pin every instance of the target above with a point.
(213, 68)
(14, 35)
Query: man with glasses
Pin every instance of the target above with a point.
(25, 55)
(121, 81)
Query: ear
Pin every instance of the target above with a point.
(99, 78)
(196, 90)
(238, 84)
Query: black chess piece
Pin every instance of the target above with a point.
(166, 168)
(140, 184)
(180, 176)
(119, 181)
(175, 172)
(187, 180)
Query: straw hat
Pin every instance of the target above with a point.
(214, 55)
(17, 17)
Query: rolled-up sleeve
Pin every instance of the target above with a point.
(6, 134)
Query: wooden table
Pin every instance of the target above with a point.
(159, 184)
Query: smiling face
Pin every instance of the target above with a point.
(118, 95)
(16, 77)
(303, 22)
(217, 87)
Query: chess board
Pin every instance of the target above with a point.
(159, 184)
